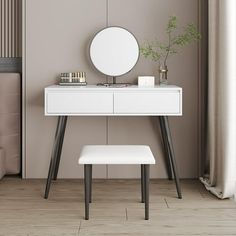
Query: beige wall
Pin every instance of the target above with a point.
(57, 34)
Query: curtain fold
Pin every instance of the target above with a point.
(221, 121)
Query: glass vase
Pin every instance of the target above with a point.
(163, 75)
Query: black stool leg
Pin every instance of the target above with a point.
(86, 190)
(146, 183)
(142, 184)
(90, 182)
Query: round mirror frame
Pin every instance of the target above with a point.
(135, 61)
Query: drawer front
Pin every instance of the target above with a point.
(151, 103)
(78, 103)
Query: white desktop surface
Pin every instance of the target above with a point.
(93, 100)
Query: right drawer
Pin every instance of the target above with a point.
(148, 103)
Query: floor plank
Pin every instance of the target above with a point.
(116, 209)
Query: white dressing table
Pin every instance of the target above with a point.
(92, 100)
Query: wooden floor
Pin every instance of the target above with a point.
(115, 209)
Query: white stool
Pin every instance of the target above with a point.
(116, 155)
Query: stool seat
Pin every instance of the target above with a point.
(116, 154)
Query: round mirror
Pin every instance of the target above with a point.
(114, 51)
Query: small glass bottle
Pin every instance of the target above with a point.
(163, 75)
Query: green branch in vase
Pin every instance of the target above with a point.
(160, 51)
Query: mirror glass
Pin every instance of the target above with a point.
(114, 51)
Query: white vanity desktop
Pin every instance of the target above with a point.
(92, 100)
(113, 101)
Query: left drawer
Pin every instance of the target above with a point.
(78, 103)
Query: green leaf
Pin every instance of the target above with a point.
(172, 24)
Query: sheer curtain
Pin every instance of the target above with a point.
(221, 122)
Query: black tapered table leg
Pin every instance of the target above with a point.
(142, 184)
(53, 158)
(86, 190)
(54, 155)
(146, 190)
(58, 155)
(166, 150)
(90, 182)
(167, 135)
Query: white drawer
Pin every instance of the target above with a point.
(73, 103)
(151, 103)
